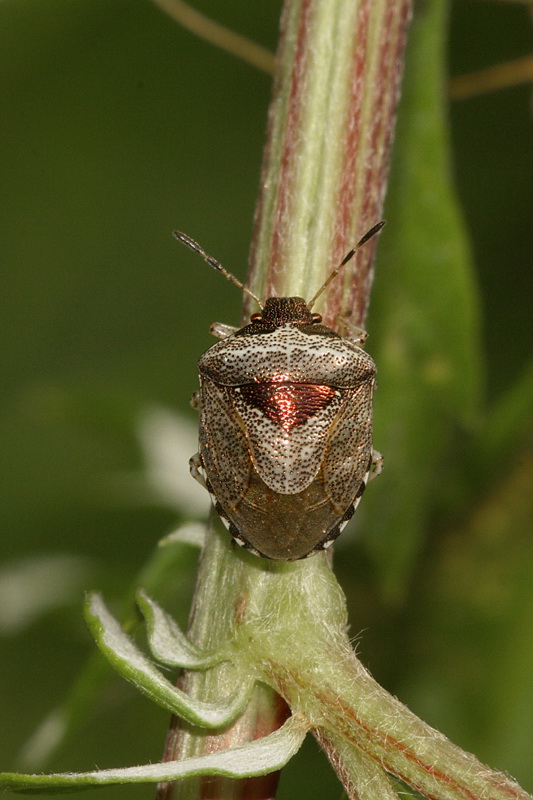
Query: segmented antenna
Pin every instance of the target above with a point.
(368, 235)
(216, 265)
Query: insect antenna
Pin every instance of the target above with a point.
(215, 264)
(348, 257)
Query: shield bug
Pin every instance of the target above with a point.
(285, 424)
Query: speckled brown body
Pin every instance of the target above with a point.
(285, 430)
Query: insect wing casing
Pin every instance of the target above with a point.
(286, 434)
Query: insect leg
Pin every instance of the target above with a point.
(357, 335)
(221, 330)
(376, 465)
(196, 469)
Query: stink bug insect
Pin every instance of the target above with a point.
(285, 424)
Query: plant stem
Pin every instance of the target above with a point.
(323, 183)
(223, 581)
(326, 159)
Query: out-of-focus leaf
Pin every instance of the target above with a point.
(34, 586)
(165, 574)
(473, 630)
(424, 316)
(509, 421)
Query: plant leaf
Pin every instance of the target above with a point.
(192, 533)
(133, 665)
(509, 420)
(424, 325)
(255, 758)
(168, 644)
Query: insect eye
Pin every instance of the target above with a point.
(256, 316)
(316, 317)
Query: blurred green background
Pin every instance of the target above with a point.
(116, 127)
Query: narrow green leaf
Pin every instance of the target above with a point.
(133, 665)
(168, 644)
(424, 321)
(509, 421)
(259, 757)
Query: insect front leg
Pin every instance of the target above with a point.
(221, 330)
(356, 334)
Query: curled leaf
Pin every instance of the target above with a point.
(168, 644)
(133, 665)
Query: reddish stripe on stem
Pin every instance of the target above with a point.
(352, 154)
(376, 162)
